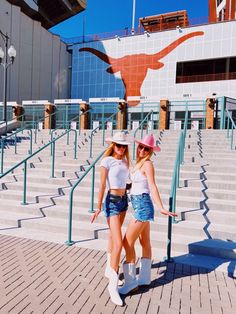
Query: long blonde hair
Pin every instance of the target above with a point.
(140, 161)
(110, 150)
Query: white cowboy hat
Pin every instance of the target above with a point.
(119, 138)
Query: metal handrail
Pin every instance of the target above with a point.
(92, 167)
(14, 134)
(68, 137)
(103, 133)
(36, 123)
(135, 132)
(24, 161)
(175, 181)
(233, 127)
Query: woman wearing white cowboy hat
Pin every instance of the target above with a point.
(143, 183)
(114, 173)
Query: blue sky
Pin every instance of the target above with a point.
(102, 16)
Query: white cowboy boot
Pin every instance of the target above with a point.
(130, 282)
(113, 288)
(108, 266)
(108, 269)
(144, 278)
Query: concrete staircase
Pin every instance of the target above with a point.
(215, 215)
(206, 200)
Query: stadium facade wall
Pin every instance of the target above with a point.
(117, 70)
(41, 68)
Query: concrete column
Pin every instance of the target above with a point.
(163, 114)
(84, 116)
(49, 119)
(122, 116)
(210, 107)
(17, 112)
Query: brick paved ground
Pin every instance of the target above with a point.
(43, 277)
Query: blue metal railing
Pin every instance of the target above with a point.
(14, 135)
(141, 125)
(24, 161)
(230, 127)
(175, 181)
(103, 132)
(92, 167)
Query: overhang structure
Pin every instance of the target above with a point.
(50, 12)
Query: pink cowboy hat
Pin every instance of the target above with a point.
(149, 141)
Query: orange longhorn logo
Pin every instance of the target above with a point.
(133, 68)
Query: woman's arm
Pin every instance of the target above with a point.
(150, 174)
(101, 191)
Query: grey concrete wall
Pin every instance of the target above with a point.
(41, 69)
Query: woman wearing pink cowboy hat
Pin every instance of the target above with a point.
(114, 173)
(143, 183)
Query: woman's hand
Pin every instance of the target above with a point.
(95, 215)
(167, 213)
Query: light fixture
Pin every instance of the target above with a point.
(12, 53)
(4, 54)
(179, 29)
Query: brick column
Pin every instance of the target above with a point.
(84, 116)
(122, 116)
(49, 119)
(163, 114)
(17, 112)
(210, 106)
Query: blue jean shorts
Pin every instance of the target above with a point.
(143, 207)
(115, 205)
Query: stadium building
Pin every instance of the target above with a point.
(63, 101)
(42, 67)
(168, 58)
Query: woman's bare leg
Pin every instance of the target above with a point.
(134, 230)
(145, 242)
(115, 223)
(109, 242)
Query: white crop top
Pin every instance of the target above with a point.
(118, 172)
(139, 183)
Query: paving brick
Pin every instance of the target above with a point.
(38, 277)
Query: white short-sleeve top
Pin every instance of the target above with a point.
(118, 172)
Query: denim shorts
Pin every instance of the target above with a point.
(143, 207)
(115, 205)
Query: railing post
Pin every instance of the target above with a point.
(91, 145)
(31, 142)
(222, 112)
(75, 146)
(92, 195)
(69, 241)
(35, 133)
(25, 180)
(232, 136)
(68, 136)
(169, 235)
(2, 153)
(15, 144)
(51, 142)
(53, 159)
(228, 126)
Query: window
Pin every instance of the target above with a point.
(206, 70)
